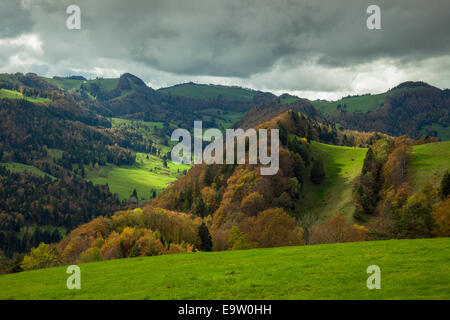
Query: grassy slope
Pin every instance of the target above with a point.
(224, 119)
(442, 132)
(428, 163)
(288, 99)
(203, 91)
(145, 128)
(342, 166)
(69, 84)
(357, 104)
(410, 269)
(19, 167)
(11, 94)
(145, 175)
(354, 104)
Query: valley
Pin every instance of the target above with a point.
(101, 149)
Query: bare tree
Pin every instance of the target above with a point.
(306, 221)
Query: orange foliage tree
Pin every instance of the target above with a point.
(337, 229)
(272, 228)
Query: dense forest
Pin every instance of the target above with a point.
(29, 200)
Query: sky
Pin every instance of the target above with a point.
(315, 49)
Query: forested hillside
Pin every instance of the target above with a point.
(59, 135)
(89, 161)
(412, 108)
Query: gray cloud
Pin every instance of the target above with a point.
(14, 19)
(251, 41)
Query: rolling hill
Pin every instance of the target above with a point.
(410, 269)
(413, 108)
(204, 91)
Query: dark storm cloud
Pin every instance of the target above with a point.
(14, 20)
(233, 38)
(240, 38)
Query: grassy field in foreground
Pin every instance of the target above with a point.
(410, 269)
(342, 166)
(428, 163)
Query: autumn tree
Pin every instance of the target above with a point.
(149, 244)
(272, 228)
(210, 199)
(306, 221)
(336, 230)
(44, 256)
(111, 248)
(90, 255)
(414, 220)
(252, 204)
(237, 240)
(441, 216)
(395, 168)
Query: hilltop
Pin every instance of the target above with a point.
(204, 91)
(413, 108)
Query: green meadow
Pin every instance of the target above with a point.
(342, 165)
(442, 132)
(410, 269)
(354, 104)
(204, 91)
(222, 119)
(11, 94)
(145, 175)
(107, 84)
(287, 99)
(428, 163)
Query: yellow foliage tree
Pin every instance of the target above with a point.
(44, 256)
(237, 240)
(441, 216)
(111, 247)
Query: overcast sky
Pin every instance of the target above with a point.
(314, 49)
